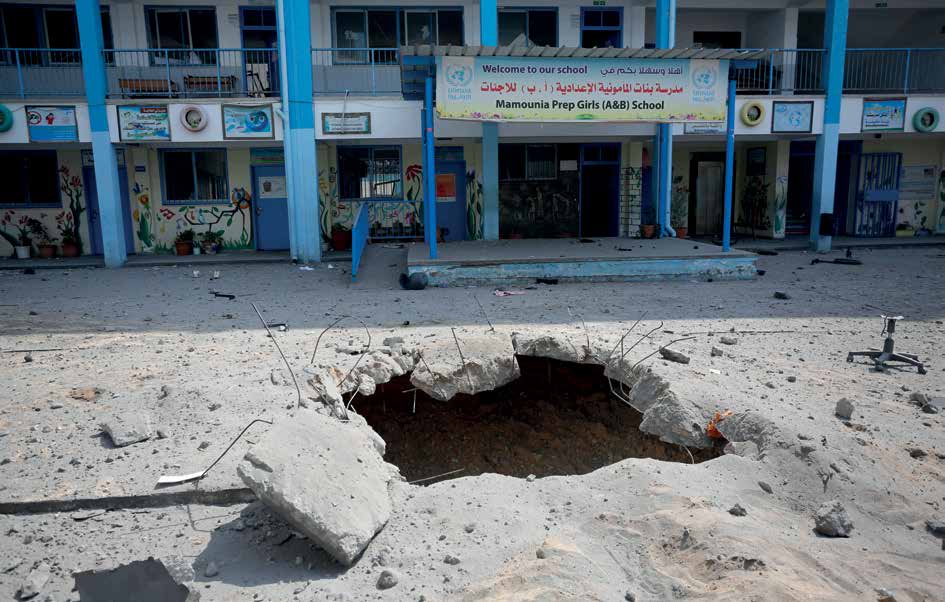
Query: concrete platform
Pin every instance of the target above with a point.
(601, 259)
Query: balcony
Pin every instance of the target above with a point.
(360, 71)
(41, 72)
(866, 71)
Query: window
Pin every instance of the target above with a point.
(717, 39)
(531, 27)
(194, 176)
(30, 178)
(185, 30)
(391, 28)
(38, 27)
(527, 162)
(601, 27)
(369, 172)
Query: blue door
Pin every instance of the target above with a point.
(95, 220)
(451, 199)
(272, 208)
(877, 194)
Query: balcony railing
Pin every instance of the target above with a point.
(193, 73)
(370, 71)
(866, 71)
(41, 72)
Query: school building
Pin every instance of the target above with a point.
(316, 126)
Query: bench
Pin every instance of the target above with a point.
(131, 87)
(209, 84)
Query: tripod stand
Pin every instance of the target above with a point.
(888, 354)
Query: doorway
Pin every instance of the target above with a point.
(451, 199)
(600, 190)
(800, 194)
(271, 211)
(95, 219)
(261, 59)
(877, 199)
(707, 191)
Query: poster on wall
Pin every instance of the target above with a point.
(445, 187)
(792, 117)
(346, 123)
(706, 128)
(918, 182)
(52, 124)
(271, 187)
(488, 88)
(247, 121)
(884, 115)
(266, 156)
(143, 122)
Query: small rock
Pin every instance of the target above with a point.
(728, 340)
(919, 398)
(844, 409)
(884, 595)
(203, 445)
(936, 527)
(792, 379)
(832, 520)
(27, 358)
(765, 487)
(541, 554)
(161, 433)
(916, 452)
(34, 582)
(738, 510)
(213, 407)
(715, 352)
(450, 559)
(470, 527)
(393, 341)
(770, 385)
(674, 356)
(212, 570)
(630, 597)
(84, 393)
(781, 295)
(388, 579)
(126, 429)
(530, 478)
(930, 409)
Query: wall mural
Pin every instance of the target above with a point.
(212, 216)
(473, 206)
(70, 221)
(780, 205)
(539, 208)
(941, 201)
(328, 201)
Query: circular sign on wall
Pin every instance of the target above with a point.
(752, 113)
(925, 120)
(6, 118)
(193, 118)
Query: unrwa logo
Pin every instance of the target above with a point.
(458, 75)
(704, 78)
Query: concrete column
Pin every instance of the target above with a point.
(782, 168)
(636, 26)
(789, 40)
(489, 36)
(88, 14)
(825, 161)
(301, 166)
(665, 38)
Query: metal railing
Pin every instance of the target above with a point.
(41, 72)
(866, 71)
(356, 70)
(193, 73)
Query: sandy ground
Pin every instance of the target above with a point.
(157, 341)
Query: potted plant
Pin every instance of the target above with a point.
(184, 242)
(680, 219)
(340, 238)
(648, 217)
(26, 244)
(46, 244)
(70, 246)
(212, 242)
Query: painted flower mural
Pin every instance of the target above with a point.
(71, 186)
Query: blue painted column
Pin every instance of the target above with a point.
(729, 168)
(489, 36)
(665, 38)
(429, 168)
(301, 166)
(825, 159)
(88, 14)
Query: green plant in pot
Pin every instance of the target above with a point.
(23, 238)
(680, 218)
(184, 242)
(45, 243)
(69, 241)
(341, 237)
(648, 219)
(212, 241)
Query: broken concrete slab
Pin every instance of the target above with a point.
(141, 580)
(127, 428)
(556, 347)
(34, 582)
(489, 363)
(832, 520)
(324, 477)
(674, 356)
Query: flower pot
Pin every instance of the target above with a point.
(184, 247)
(901, 233)
(70, 249)
(47, 251)
(341, 240)
(22, 252)
(196, 250)
(648, 230)
(681, 231)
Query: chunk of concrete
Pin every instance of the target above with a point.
(34, 582)
(325, 477)
(844, 409)
(832, 520)
(489, 363)
(127, 428)
(142, 580)
(556, 347)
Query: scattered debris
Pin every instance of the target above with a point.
(781, 295)
(194, 476)
(507, 292)
(917, 452)
(844, 409)
(711, 429)
(715, 352)
(212, 570)
(838, 261)
(142, 581)
(414, 282)
(674, 356)
(34, 582)
(127, 428)
(765, 487)
(726, 340)
(546, 281)
(224, 295)
(832, 520)
(388, 579)
(85, 393)
(737, 510)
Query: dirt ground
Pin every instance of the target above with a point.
(156, 341)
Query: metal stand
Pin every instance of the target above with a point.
(888, 354)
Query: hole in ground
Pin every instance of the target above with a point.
(558, 418)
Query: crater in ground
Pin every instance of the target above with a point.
(558, 418)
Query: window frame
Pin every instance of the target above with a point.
(372, 147)
(401, 22)
(528, 177)
(527, 10)
(193, 162)
(154, 44)
(39, 26)
(585, 10)
(30, 205)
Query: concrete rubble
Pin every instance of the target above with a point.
(127, 428)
